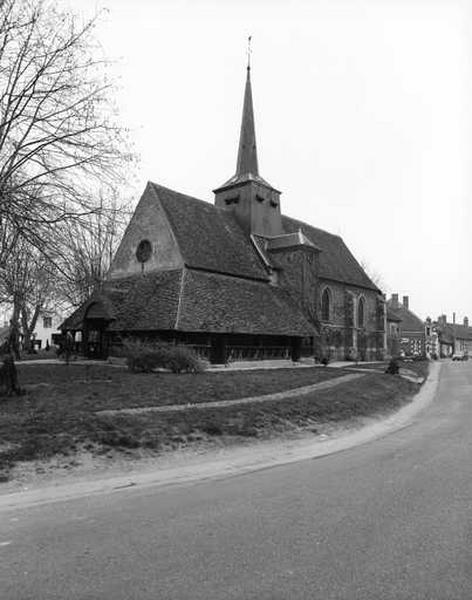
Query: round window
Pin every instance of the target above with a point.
(144, 251)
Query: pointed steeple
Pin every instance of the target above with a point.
(254, 202)
(247, 154)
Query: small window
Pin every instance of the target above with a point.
(47, 322)
(260, 198)
(232, 200)
(144, 251)
(361, 313)
(325, 305)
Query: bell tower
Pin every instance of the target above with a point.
(254, 202)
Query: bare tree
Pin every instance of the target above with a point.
(373, 275)
(27, 285)
(88, 249)
(58, 136)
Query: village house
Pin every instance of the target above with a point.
(45, 332)
(454, 338)
(236, 279)
(410, 329)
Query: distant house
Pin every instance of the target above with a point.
(411, 327)
(453, 337)
(47, 326)
(393, 332)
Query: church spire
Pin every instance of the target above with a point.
(247, 154)
(253, 201)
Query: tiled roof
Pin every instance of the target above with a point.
(461, 332)
(145, 302)
(189, 300)
(410, 322)
(336, 261)
(210, 238)
(392, 316)
(225, 304)
(446, 335)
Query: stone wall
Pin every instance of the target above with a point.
(341, 337)
(149, 222)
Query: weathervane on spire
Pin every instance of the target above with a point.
(249, 51)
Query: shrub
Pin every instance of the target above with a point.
(142, 357)
(393, 367)
(420, 357)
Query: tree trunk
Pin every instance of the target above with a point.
(29, 326)
(8, 377)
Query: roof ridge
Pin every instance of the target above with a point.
(158, 186)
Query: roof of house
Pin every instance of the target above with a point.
(460, 332)
(410, 322)
(446, 335)
(197, 301)
(392, 316)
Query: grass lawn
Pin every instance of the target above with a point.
(58, 413)
(420, 367)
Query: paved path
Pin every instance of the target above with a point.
(294, 392)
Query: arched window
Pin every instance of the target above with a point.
(325, 305)
(361, 313)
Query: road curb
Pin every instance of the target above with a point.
(233, 461)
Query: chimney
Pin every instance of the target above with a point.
(466, 321)
(406, 302)
(394, 300)
(453, 318)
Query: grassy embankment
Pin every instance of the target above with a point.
(58, 413)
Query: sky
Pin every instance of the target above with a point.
(363, 114)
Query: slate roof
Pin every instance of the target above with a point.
(195, 301)
(210, 238)
(410, 322)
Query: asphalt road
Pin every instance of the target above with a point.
(388, 519)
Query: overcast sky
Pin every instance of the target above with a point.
(363, 119)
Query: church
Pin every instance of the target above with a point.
(235, 280)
